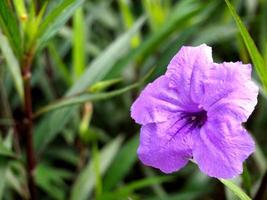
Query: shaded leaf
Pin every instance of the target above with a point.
(12, 64)
(83, 98)
(122, 163)
(86, 180)
(53, 123)
(51, 180)
(56, 19)
(10, 27)
(126, 190)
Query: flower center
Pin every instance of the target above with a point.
(197, 119)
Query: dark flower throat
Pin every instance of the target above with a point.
(196, 119)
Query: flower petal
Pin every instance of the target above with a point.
(221, 147)
(229, 90)
(166, 146)
(188, 67)
(157, 102)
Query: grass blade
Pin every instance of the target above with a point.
(126, 190)
(86, 180)
(254, 53)
(12, 64)
(83, 98)
(122, 164)
(52, 124)
(10, 27)
(79, 42)
(100, 67)
(56, 19)
(235, 189)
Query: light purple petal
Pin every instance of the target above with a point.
(157, 102)
(188, 70)
(229, 90)
(196, 110)
(221, 147)
(166, 146)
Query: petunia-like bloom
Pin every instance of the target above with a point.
(195, 111)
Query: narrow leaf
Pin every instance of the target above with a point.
(122, 164)
(10, 27)
(80, 99)
(52, 124)
(12, 64)
(184, 13)
(86, 180)
(3, 171)
(254, 53)
(59, 64)
(126, 190)
(235, 189)
(100, 67)
(56, 19)
(79, 42)
(52, 180)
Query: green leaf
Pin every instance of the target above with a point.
(6, 147)
(139, 184)
(100, 67)
(83, 98)
(215, 33)
(103, 85)
(51, 180)
(56, 19)
(10, 27)
(185, 13)
(254, 53)
(20, 8)
(121, 164)
(4, 151)
(3, 171)
(12, 64)
(59, 64)
(52, 124)
(126, 190)
(128, 20)
(79, 42)
(157, 12)
(96, 162)
(17, 179)
(235, 189)
(86, 180)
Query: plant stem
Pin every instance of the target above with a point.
(28, 120)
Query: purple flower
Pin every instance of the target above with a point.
(195, 111)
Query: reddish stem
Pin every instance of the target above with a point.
(28, 120)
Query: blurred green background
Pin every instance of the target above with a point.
(87, 62)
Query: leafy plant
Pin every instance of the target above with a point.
(70, 69)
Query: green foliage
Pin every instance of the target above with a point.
(96, 71)
(85, 63)
(12, 64)
(10, 27)
(51, 180)
(235, 189)
(79, 42)
(83, 185)
(83, 98)
(254, 53)
(122, 164)
(56, 19)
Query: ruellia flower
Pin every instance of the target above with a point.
(195, 111)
